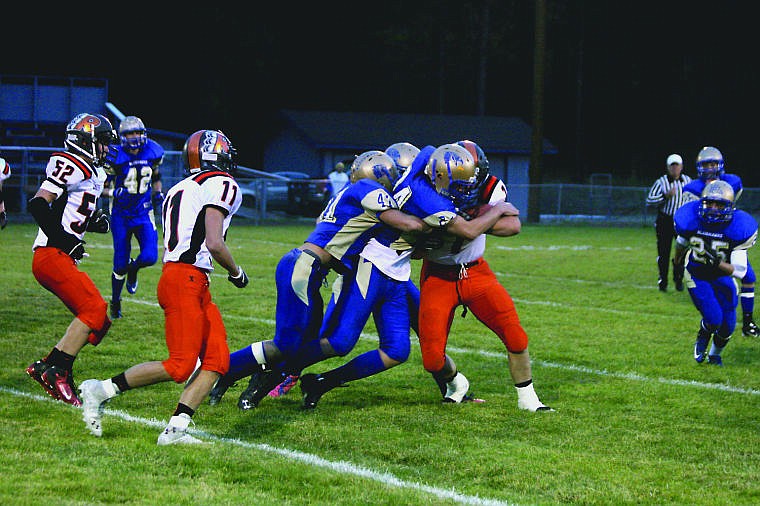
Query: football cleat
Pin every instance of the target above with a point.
(456, 389)
(131, 277)
(62, 383)
(36, 371)
(94, 399)
(260, 384)
(312, 388)
(749, 329)
(216, 394)
(115, 309)
(177, 435)
(700, 349)
(679, 285)
(715, 360)
(284, 387)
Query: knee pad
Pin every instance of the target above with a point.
(514, 338)
(398, 351)
(97, 335)
(179, 370)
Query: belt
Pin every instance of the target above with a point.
(455, 267)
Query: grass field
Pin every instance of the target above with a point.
(637, 420)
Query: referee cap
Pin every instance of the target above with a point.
(674, 158)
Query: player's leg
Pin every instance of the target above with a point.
(749, 328)
(121, 251)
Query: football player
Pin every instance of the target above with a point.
(135, 191)
(711, 167)
(351, 217)
(717, 235)
(65, 207)
(454, 271)
(196, 216)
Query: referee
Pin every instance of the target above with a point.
(667, 195)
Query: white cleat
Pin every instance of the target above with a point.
(456, 389)
(94, 399)
(176, 432)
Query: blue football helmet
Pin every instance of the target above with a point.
(132, 124)
(710, 164)
(717, 203)
(403, 154)
(374, 165)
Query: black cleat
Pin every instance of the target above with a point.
(679, 285)
(261, 383)
(115, 309)
(312, 388)
(216, 394)
(131, 277)
(750, 329)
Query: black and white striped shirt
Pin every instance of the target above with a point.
(656, 196)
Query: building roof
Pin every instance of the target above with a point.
(357, 131)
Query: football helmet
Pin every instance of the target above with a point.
(717, 203)
(85, 132)
(374, 165)
(710, 163)
(471, 198)
(453, 172)
(132, 124)
(209, 150)
(403, 154)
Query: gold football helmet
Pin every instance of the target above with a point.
(717, 202)
(403, 154)
(374, 165)
(453, 171)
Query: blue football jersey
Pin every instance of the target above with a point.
(693, 190)
(724, 238)
(351, 219)
(134, 173)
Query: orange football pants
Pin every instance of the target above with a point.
(443, 288)
(57, 272)
(194, 327)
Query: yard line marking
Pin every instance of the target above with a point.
(341, 466)
(568, 367)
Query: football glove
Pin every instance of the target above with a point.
(158, 200)
(99, 222)
(712, 259)
(241, 280)
(3, 219)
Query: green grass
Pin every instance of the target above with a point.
(637, 421)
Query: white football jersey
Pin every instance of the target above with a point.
(184, 212)
(457, 250)
(77, 186)
(5, 170)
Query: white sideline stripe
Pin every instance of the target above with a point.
(340, 466)
(567, 367)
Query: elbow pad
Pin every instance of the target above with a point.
(739, 262)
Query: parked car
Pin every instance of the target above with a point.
(290, 191)
(308, 196)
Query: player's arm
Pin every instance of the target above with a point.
(403, 221)
(508, 225)
(50, 224)
(682, 247)
(155, 179)
(460, 227)
(214, 223)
